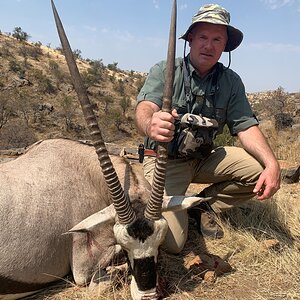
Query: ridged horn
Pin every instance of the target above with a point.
(122, 204)
(153, 209)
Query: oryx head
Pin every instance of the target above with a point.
(140, 237)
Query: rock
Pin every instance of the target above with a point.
(290, 175)
(209, 266)
(267, 245)
(19, 82)
(210, 277)
(296, 127)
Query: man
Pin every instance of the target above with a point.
(213, 96)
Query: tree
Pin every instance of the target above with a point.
(17, 135)
(283, 120)
(68, 108)
(94, 74)
(20, 35)
(277, 101)
(34, 51)
(16, 68)
(225, 138)
(77, 54)
(121, 87)
(113, 66)
(44, 83)
(96, 70)
(57, 73)
(125, 103)
(6, 107)
(59, 49)
(117, 118)
(24, 102)
(140, 82)
(107, 101)
(278, 107)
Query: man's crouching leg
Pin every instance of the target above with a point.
(233, 174)
(236, 173)
(177, 232)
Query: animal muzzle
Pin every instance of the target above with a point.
(149, 295)
(153, 296)
(137, 294)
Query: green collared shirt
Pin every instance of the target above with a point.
(228, 104)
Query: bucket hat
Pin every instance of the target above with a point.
(216, 14)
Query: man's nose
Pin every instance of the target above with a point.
(208, 44)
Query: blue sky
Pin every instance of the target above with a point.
(134, 33)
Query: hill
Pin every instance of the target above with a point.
(38, 101)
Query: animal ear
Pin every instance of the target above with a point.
(108, 214)
(177, 203)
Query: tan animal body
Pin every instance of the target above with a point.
(48, 190)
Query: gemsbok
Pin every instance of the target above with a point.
(111, 209)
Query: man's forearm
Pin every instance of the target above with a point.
(143, 114)
(255, 143)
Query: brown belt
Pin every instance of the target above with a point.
(153, 153)
(150, 152)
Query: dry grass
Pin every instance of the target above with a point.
(285, 143)
(258, 272)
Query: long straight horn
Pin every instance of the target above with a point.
(153, 209)
(122, 204)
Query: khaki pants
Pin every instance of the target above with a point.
(232, 172)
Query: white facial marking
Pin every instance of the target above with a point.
(137, 249)
(136, 294)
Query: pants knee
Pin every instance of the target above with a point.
(177, 232)
(172, 246)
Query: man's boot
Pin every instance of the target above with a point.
(206, 220)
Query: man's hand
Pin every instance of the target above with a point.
(161, 126)
(154, 123)
(255, 143)
(268, 183)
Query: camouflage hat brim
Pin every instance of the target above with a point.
(215, 14)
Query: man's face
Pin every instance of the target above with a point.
(207, 42)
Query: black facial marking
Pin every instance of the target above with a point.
(144, 272)
(141, 229)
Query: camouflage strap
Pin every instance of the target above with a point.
(187, 82)
(196, 121)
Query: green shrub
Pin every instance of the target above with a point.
(225, 138)
(14, 66)
(56, 71)
(20, 35)
(16, 134)
(44, 83)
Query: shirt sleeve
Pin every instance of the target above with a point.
(153, 86)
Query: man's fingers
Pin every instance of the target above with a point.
(259, 185)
